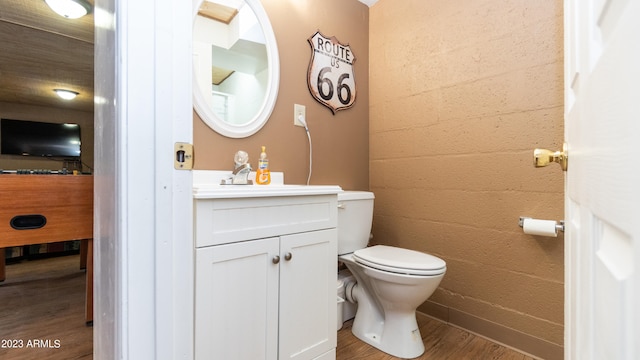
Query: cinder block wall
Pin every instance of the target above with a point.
(461, 92)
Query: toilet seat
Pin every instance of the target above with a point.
(398, 260)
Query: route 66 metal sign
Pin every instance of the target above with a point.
(330, 77)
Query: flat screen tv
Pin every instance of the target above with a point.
(20, 137)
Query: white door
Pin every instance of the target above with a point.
(308, 294)
(602, 201)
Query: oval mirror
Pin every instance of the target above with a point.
(236, 67)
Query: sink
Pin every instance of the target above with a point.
(214, 191)
(206, 185)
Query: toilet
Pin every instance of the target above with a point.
(391, 282)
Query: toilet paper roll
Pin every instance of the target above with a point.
(540, 227)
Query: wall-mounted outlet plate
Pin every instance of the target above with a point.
(299, 110)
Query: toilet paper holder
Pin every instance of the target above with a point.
(559, 224)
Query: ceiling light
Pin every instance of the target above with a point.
(66, 94)
(71, 9)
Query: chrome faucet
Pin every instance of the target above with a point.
(240, 175)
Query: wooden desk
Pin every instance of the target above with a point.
(66, 201)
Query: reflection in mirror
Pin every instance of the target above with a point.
(236, 69)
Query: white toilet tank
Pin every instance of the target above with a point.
(355, 215)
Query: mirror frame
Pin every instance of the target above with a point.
(260, 119)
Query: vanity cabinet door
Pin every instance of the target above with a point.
(236, 301)
(308, 275)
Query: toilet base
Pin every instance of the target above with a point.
(386, 313)
(397, 335)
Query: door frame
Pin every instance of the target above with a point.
(142, 228)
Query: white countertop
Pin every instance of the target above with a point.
(206, 185)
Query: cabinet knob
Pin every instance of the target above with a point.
(288, 256)
(276, 259)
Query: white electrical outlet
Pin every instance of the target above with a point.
(299, 111)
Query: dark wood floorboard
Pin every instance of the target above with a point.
(42, 311)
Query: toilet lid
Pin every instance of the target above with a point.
(398, 260)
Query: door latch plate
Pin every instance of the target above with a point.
(183, 156)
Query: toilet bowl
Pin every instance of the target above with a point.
(391, 282)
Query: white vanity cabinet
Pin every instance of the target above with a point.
(265, 284)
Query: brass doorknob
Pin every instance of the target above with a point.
(544, 157)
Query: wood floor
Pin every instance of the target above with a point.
(441, 341)
(42, 310)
